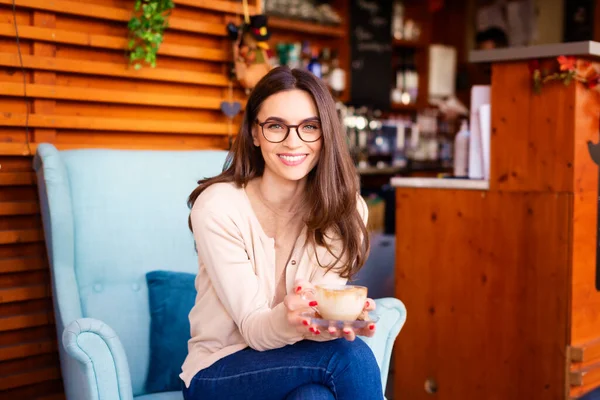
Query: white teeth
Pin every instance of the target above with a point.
(292, 158)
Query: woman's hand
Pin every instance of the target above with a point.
(296, 305)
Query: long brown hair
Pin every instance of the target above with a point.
(332, 185)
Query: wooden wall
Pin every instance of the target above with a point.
(81, 93)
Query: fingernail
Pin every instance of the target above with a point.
(367, 303)
(305, 322)
(311, 329)
(299, 288)
(371, 327)
(347, 331)
(312, 303)
(318, 332)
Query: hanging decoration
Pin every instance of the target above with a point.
(251, 52)
(564, 69)
(146, 30)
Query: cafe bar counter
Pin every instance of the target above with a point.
(499, 277)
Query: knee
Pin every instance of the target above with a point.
(356, 354)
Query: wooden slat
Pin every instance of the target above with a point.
(112, 69)
(26, 321)
(16, 149)
(22, 264)
(28, 378)
(21, 236)
(27, 350)
(114, 124)
(108, 42)
(114, 14)
(305, 27)
(21, 149)
(217, 5)
(111, 96)
(24, 293)
(19, 208)
(17, 178)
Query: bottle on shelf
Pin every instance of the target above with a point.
(461, 151)
(314, 64)
(398, 20)
(325, 64)
(337, 76)
(411, 79)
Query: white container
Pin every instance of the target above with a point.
(461, 151)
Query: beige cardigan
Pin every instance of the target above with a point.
(236, 280)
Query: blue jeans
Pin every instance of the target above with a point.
(336, 369)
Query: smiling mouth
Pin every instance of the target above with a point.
(292, 160)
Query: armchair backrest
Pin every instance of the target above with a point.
(110, 216)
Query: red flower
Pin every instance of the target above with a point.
(533, 66)
(566, 63)
(592, 83)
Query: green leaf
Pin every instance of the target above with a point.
(568, 79)
(146, 30)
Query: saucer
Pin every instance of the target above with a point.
(326, 323)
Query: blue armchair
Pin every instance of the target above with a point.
(110, 217)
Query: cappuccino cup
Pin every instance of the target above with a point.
(340, 302)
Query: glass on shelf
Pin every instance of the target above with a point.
(404, 29)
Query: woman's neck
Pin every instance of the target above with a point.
(281, 195)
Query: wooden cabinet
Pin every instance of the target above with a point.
(500, 284)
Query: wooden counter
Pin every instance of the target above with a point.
(499, 280)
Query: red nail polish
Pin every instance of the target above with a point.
(311, 329)
(312, 303)
(318, 332)
(371, 327)
(367, 303)
(346, 331)
(299, 288)
(305, 322)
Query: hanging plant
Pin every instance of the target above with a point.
(146, 29)
(565, 69)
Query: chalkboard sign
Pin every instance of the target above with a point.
(371, 53)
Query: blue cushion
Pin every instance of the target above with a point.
(171, 296)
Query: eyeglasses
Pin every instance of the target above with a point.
(277, 132)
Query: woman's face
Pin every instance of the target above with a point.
(292, 159)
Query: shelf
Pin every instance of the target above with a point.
(379, 171)
(439, 183)
(405, 107)
(409, 44)
(295, 25)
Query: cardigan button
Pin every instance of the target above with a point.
(293, 262)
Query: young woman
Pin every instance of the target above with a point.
(284, 215)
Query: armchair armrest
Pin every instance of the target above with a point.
(101, 360)
(392, 315)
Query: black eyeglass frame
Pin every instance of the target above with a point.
(289, 129)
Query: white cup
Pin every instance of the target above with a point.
(340, 302)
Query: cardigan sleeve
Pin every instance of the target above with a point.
(222, 251)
